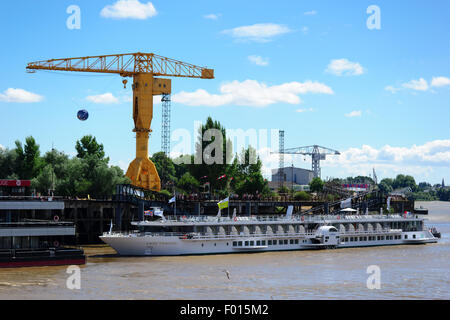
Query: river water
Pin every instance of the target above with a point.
(406, 272)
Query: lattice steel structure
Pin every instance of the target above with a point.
(165, 124)
(281, 160)
(316, 152)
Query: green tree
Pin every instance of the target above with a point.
(316, 185)
(44, 180)
(404, 181)
(88, 146)
(215, 161)
(247, 174)
(165, 167)
(385, 187)
(28, 161)
(188, 183)
(7, 163)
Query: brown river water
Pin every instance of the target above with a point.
(406, 272)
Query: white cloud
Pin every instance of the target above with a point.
(212, 16)
(415, 160)
(341, 67)
(129, 9)
(440, 81)
(420, 85)
(304, 110)
(426, 162)
(251, 93)
(356, 113)
(310, 13)
(261, 32)
(106, 98)
(2, 147)
(258, 60)
(305, 30)
(12, 95)
(391, 89)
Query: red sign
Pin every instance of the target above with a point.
(15, 183)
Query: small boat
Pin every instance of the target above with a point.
(435, 233)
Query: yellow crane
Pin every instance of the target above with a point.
(144, 68)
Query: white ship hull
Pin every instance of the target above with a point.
(153, 245)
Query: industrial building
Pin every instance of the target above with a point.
(293, 175)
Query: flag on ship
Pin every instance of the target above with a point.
(223, 204)
(172, 200)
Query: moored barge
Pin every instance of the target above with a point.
(37, 243)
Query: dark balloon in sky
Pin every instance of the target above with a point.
(83, 115)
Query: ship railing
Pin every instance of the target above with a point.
(206, 235)
(357, 232)
(296, 217)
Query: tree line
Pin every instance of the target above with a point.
(88, 173)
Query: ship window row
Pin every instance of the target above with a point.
(263, 242)
(372, 238)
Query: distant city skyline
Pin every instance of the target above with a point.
(370, 79)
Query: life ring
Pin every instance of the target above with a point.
(184, 237)
(235, 218)
(184, 217)
(303, 218)
(56, 244)
(56, 218)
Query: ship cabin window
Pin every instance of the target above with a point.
(296, 241)
(406, 236)
(333, 230)
(263, 242)
(234, 243)
(258, 243)
(269, 242)
(252, 243)
(285, 242)
(274, 242)
(291, 241)
(240, 244)
(414, 236)
(246, 243)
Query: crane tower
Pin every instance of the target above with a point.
(316, 152)
(144, 68)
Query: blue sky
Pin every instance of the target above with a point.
(313, 69)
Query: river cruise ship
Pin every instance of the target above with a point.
(190, 235)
